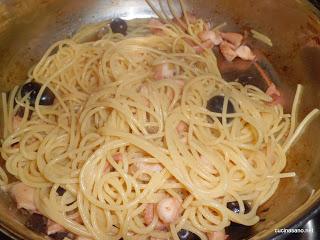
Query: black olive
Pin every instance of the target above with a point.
(253, 80)
(20, 112)
(234, 207)
(37, 222)
(118, 25)
(237, 231)
(33, 88)
(249, 76)
(187, 235)
(215, 104)
(58, 235)
(60, 191)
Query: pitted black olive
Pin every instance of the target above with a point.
(33, 88)
(252, 80)
(21, 109)
(237, 231)
(59, 235)
(20, 112)
(37, 222)
(234, 207)
(215, 104)
(187, 235)
(249, 76)
(60, 191)
(118, 25)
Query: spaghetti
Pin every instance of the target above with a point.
(120, 142)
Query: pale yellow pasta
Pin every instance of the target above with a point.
(107, 102)
(263, 38)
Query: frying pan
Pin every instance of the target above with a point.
(29, 27)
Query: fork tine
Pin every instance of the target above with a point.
(174, 14)
(162, 13)
(163, 10)
(156, 11)
(184, 12)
